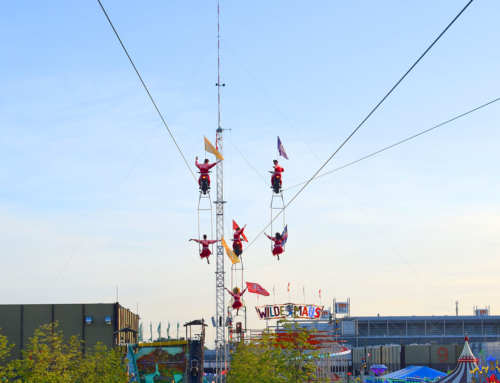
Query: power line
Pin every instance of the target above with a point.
(362, 122)
(269, 98)
(146, 88)
(243, 155)
(128, 173)
(398, 143)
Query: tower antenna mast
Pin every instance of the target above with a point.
(220, 339)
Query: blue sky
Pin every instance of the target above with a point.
(74, 120)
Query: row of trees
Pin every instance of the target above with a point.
(276, 357)
(49, 358)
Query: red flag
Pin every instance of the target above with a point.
(288, 288)
(320, 293)
(235, 226)
(257, 289)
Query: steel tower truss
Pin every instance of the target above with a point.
(220, 338)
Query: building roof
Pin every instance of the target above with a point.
(415, 372)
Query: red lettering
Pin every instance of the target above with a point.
(442, 354)
(318, 312)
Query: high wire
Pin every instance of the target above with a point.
(146, 88)
(364, 120)
(398, 143)
(126, 176)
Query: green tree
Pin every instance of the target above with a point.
(48, 358)
(276, 357)
(5, 370)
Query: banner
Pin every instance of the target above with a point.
(341, 308)
(257, 289)
(211, 149)
(289, 311)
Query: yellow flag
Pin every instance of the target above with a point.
(211, 149)
(234, 259)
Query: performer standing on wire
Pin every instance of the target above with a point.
(278, 242)
(205, 252)
(237, 298)
(278, 169)
(237, 244)
(204, 169)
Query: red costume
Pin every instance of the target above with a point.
(277, 244)
(237, 298)
(277, 170)
(205, 252)
(204, 170)
(237, 240)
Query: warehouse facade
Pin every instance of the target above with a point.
(107, 323)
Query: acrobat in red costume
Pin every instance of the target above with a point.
(237, 244)
(278, 169)
(237, 298)
(204, 169)
(278, 242)
(205, 251)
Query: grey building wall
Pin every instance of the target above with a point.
(19, 322)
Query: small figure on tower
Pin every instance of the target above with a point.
(237, 244)
(237, 298)
(205, 252)
(204, 180)
(278, 243)
(278, 169)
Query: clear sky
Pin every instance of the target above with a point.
(75, 126)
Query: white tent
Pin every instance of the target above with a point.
(466, 363)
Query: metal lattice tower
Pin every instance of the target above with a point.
(220, 339)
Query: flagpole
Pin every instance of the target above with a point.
(289, 292)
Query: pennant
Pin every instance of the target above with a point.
(320, 293)
(159, 331)
(283, 235)
(281, 149)
(211, 149)
(235, 226)
(177, 330)
(288, 288)
(257, 289)
(151, 330)
(168, 331)
(234, 259)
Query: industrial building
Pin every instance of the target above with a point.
(407, 330)
(107, 323)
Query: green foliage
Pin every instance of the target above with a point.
(49, 358)
(281, 357)
(5, 370)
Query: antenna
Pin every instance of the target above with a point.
(220, 338)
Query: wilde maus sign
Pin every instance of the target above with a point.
(289, 310)
(342, 307)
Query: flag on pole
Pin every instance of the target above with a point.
(281, 149)
(234, 259)
(273, 289)
(257, 289)
(140, 333)
(211, 149)
(304, 290)
(235, 226)
(288, 288)
(177, 330)
(168, 331)
(320, 293)
(285, 231)
(159, 331)
(151, 331)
